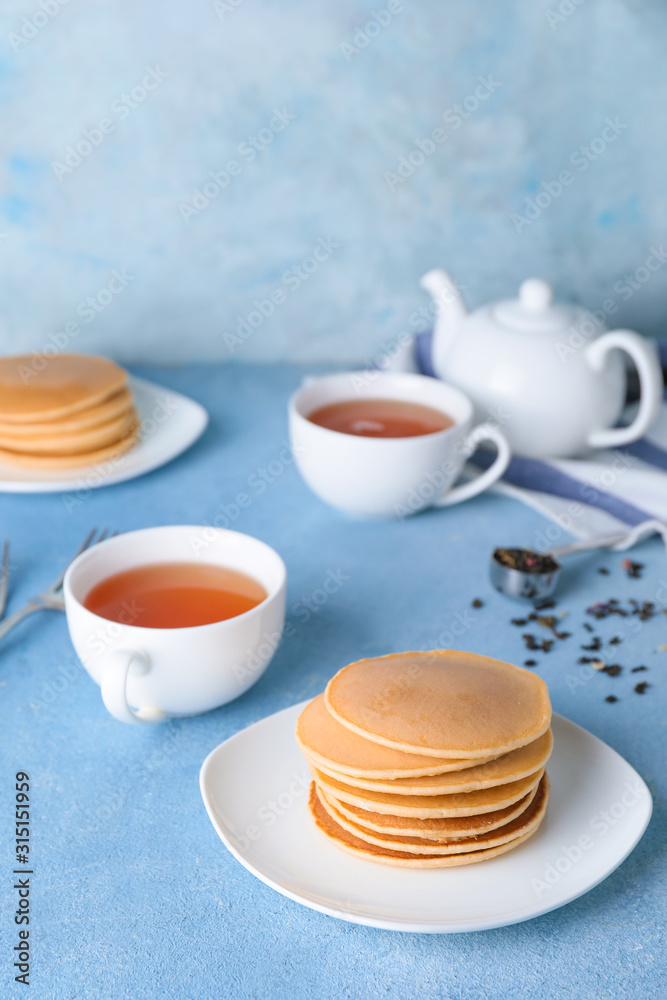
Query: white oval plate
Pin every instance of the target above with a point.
(255, 787)
(170, 423)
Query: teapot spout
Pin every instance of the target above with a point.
(449, 312)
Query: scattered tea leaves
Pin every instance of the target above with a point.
(603, 610)
(533, 644)
(633, 569)
(550, 622)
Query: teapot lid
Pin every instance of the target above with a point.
(534, 309)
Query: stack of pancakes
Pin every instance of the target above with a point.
(428, 760)
(75, 410)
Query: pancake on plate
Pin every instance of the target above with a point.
(371, 852)
(441, 703)
(332, 747)
(115, 406)
(509, 767)
(75, 410)
(437, 828)
(428, 759)
(428, 806)
(526, 821)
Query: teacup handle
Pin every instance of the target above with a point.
(484, 432)
(644, 356)
(114, 685)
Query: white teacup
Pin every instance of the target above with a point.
(389, 477)
(149, 674)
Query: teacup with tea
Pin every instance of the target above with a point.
(171, 625)
(388, 444)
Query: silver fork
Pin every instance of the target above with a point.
(4, 579)
(51, 598)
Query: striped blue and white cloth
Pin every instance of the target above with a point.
(605, 492)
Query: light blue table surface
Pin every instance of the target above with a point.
(133, 894)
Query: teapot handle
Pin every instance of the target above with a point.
(644, 356)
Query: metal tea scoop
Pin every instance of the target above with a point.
(533, 576)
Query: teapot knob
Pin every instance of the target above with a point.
(535, 295)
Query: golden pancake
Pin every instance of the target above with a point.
(370, 852)
(510, 767)
(84, 460)
(65, 384)
(334, 748)
(441, 703)
(452, 828)
(527, 821)
(427, 806)
(73, 442)
(118, 404)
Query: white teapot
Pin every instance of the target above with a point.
(548, 374)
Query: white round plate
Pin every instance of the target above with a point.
(255, 788)
(170, 423)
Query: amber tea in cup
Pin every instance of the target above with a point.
(174, 595)
(387, 444)
(381, 418)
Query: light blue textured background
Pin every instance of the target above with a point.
(356, 113)
(135, 897)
